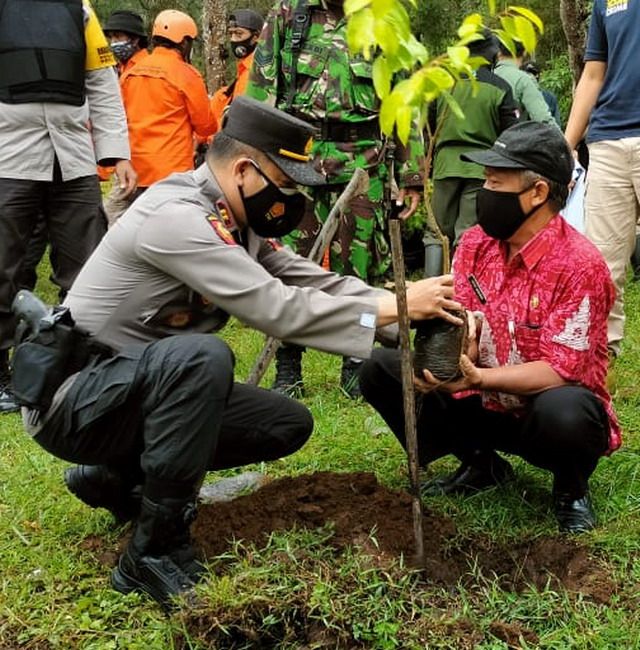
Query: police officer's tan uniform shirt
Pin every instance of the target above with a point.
(172, 265)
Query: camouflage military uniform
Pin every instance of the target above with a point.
(334, 91)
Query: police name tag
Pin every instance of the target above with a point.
(368, 320)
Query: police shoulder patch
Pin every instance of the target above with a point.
(216, 222)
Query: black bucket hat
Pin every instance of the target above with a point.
(284, 139)
(125, 21)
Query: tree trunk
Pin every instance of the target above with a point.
(574, 15)
(214, 34)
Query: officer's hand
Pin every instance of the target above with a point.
(414, 198)
(127, 177)
(429, 298)
(471, 379)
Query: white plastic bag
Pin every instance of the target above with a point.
(573, 212)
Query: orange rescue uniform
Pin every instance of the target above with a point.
(166, 103)
(134, 60)
(223, 96)
(104, 173)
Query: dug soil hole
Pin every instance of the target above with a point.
(366, 514)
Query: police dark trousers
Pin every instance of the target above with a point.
(173, 405)
(564, 430)
(75, 224)
(36, 249)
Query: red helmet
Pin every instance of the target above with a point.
(174, 26)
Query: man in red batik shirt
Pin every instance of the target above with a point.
(538, 295)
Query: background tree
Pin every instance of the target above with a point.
(214, 35)
(574, 15)
(219, 67)
(434, 22)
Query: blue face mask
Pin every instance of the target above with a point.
(123, 50)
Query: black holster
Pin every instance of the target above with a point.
(48, 350)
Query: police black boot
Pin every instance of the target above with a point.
(350, 377)
(151, 561)
(101, 486)
(635, 260)
(288, 379)
(8, 403)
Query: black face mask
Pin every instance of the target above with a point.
(242, 49)
(500, 213)
(272, 212)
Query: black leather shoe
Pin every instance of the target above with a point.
(574, 515)
(471, 478)
(288, 380)
(8, 403)
(350, 377)
(160, 577)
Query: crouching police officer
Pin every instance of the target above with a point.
(164, 409)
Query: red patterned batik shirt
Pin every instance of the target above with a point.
(549, 303)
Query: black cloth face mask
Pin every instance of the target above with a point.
(273, 211)
(500, 213)
(242, 49)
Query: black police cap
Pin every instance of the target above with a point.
(247, 19)
(284, 139)
(125, 21)
(538, 147)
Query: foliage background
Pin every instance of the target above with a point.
(435, 23)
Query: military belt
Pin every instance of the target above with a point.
(347, 131)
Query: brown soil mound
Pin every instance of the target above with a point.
(359, 508)
(513, 633)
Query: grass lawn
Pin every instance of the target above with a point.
(55, 593)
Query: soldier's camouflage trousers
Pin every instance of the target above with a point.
(360, 246)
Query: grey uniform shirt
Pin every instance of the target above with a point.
(172, 265)
(32, 134)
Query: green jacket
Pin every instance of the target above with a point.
(526, 92)
(487, 113)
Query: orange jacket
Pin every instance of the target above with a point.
(105, 173)
(166, 103)
(223, 96)
(135, 59)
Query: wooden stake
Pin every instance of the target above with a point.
(359, 184)
(408, 394)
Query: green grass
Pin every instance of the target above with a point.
(54, 593)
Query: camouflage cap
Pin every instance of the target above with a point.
(284, 139)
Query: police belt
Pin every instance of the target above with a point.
(347, 131)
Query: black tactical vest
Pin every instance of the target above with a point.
(42, 51)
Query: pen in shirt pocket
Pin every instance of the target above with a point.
(475, 285)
